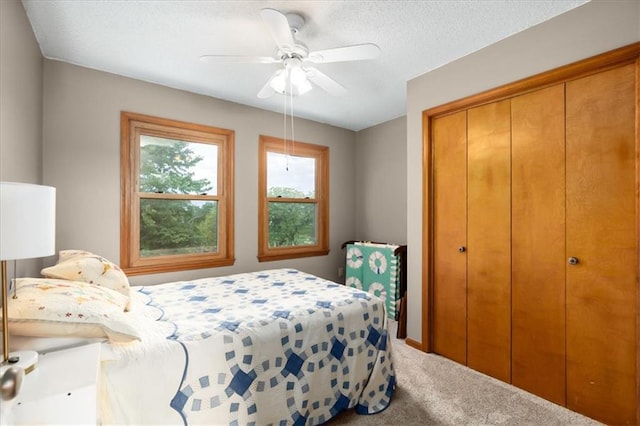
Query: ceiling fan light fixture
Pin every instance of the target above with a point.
(279, 81)
(290, 80)
(297, 76)
(293, 79)
(302, 86)
(299, 81)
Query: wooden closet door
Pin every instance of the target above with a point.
(601, 234)
(489, 239)
(538, 243)
(449, 149)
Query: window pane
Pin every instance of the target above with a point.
(169, 227)
(292, 224)
(290, 176)
(178, 167)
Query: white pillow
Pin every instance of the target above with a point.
(56, 308)
(79, 265)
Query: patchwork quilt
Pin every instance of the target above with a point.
(376, 269)
(277, 347)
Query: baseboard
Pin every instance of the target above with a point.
(413, 343)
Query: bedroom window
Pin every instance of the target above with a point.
(293, 192)
(177, 195)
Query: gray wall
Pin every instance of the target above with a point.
(381, 182)
(593, 28)
(20, 106)
(82, 159)
(21, 100)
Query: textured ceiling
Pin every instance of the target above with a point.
(161, 41)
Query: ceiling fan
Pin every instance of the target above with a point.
(295, 77)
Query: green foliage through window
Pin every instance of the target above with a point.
(293, 189)
(177, 209)
(291, 224)
(168, 166)
(168, 226)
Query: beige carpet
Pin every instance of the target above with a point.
(432, 390)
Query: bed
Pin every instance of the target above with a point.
(270, 347)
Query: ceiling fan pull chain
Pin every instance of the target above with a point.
(293, 139)
(284, 132)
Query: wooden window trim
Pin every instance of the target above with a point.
(321, 154)
(131, 125)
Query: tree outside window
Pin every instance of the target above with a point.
(294, 197)
(177, 195)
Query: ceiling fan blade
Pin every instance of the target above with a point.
(279, 28)
(237, 59)
(267, 91)
(325, 82)
(357, 52)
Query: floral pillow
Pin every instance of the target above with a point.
(79, 265)
(68, 254)
(61, 308)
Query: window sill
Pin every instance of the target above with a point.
(177, 266)
(291, 255)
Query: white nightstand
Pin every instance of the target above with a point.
(62, 390)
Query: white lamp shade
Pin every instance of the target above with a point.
(27, 220)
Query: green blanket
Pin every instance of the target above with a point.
(375, 269)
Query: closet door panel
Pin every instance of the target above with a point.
(449, 139)
(538, 244)
(489, 240)
(601, 234)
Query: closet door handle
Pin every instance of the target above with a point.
(573, 261)
(462, 249)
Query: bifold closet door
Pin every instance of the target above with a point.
(489, 239)
(538, 243)
(449, 151)
(602, 279)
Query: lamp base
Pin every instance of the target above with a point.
(26, 360)
(10, 384)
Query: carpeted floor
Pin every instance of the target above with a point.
(433, 390)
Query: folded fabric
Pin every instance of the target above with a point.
(375, 269)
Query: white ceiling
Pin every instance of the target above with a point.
(160, 41)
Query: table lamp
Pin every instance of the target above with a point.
(27, 230)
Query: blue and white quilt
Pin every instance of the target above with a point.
(277, 347)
